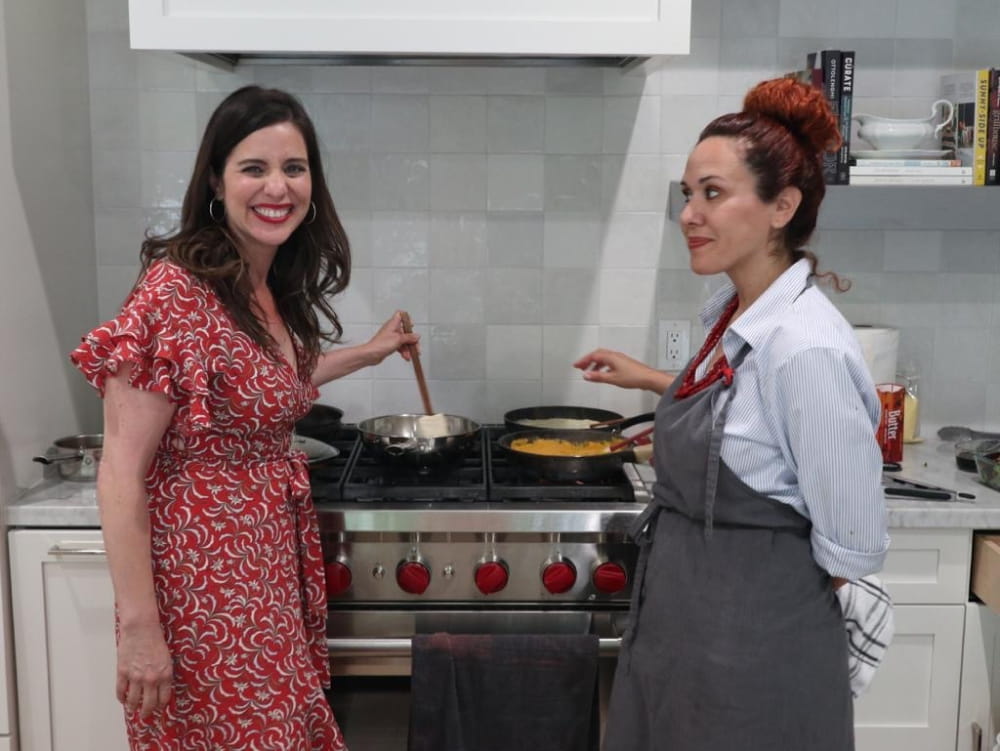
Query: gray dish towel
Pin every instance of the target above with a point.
(497, 692)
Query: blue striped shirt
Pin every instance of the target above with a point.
(801, 425)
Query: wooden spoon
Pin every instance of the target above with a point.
(425, 395)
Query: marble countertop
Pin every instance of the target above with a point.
(74, 504)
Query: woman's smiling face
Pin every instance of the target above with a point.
(725, 223)
(266, 187)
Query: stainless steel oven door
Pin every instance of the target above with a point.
(370, 659)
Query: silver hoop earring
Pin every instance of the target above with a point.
(211, 210)
(311, 219)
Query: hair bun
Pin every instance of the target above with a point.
(800, 108)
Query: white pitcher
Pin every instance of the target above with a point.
(896, 133)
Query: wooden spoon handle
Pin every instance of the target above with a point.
(418, 370)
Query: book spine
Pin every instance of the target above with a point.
(831, 90)
(846, 107)
(906, 162)
(940, 171)
(993, 130)
(910, 180)
(979, 134)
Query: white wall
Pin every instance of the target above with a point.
(48, 281)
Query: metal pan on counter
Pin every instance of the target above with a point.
(569, 455)
(557, 418)
(420, 440)
(75, 456)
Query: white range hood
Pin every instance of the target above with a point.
(467, 32)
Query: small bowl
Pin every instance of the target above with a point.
(988, 463)
(965, 453)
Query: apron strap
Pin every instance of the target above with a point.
(715, 444)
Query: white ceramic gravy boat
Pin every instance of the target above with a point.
(890, 133)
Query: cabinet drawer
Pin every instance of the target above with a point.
(928, 566)
(986, 569)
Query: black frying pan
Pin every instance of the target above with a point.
(568, 468)
(515, 419)
(321, 422)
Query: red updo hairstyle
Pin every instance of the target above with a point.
(784, 128)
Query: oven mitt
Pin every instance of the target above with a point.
(868, 618)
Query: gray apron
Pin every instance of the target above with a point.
(736, 638)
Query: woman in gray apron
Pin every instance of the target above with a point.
(736, 639)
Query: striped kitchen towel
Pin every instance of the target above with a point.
(867, 610)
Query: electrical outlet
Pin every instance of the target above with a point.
(674, 345)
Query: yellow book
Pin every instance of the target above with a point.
(982, 119)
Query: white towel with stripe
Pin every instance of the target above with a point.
(868, 618)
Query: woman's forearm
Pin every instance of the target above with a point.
(125, 526)
(342, 361)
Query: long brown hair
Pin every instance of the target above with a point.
(784, 128)
(312, 265)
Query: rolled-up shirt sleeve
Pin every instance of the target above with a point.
(829, 416)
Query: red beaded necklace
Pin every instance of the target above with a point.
(720, 368)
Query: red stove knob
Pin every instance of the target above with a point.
(338, 578)
(413, 577)
(491, 577)
(610, 578)
(559, 577)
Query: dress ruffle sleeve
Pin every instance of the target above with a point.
(158, 332)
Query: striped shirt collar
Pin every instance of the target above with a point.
(758, 320)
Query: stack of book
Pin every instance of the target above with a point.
(973, 136)
(909, 172)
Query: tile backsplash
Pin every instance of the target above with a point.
(519, 213)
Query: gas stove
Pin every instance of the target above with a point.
(478, 533)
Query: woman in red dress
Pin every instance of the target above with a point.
(211, 534)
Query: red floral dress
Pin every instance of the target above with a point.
(236, 557)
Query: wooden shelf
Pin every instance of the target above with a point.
(897, 207)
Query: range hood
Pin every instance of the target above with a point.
(230, 33)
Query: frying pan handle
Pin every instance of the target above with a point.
(57, 459)
(625, 422)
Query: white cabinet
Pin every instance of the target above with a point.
(912, 704)
(63, 614)
(404, 27)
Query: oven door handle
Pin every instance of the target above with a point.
(606, 647)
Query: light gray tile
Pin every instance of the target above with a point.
(210, 79)
(573, 183)
(514, 295)
(638, 342)
(971, 52)
(355, 305)
(706, 18)
(340, 79)
(458, 124)
(633, 240)
(956, 400)
(354, 397)
(504, 395)
(570, 296)
(114, 119)
(343, 121)
(107, 15)
(682, 119)
(515, 80)
(866, 288)
(632, 125)
(513, 352)
(694, 74)
(850, 250)
(574, 80)
(574, 125)
(743, 18)
(164, 178)
(564, 345)
(572, 391)
(400, 79)
(952, 287)
(514, 239)
(458, 239)
(350, 179)
(292, 78)
(113, 285)
(515, 182)
(118, 234)
(971, 252)
(867, 18)
(205, 103)
(400, 123)
(165, 71)
(644, 79)
(160, 222)
(926, 19)
(112, 64)
(634, 182)
(515, 124)
(457, 296)
(399, 238)
(746, 61)
(806, 18)
(913, 251)
(458, 182)
(400, 182)
(458, 80)
(167, 121)
(957, 351)
(918, 64)
(572, 240)
(358, 226)
(976, 19)
(627, 298)
(401, 289)
(397, 396)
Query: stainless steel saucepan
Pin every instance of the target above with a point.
(75, 456)
(419, 439)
